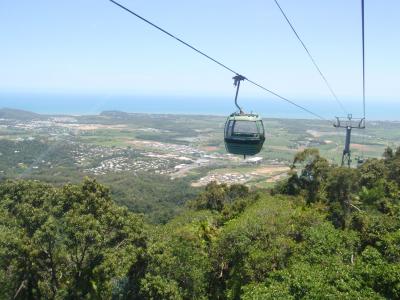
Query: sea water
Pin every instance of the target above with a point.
(83, 104)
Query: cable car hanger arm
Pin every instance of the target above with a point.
(237, 79)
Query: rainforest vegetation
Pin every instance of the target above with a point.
(326, 232)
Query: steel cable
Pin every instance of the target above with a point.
(312, 59)
(216, 61)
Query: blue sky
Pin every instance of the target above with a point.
(92, 46)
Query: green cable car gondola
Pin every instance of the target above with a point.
(244, 133)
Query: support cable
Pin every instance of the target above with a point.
(363, 74)
(312, 59)
(287, 100)
(216, 61)
(363, 53)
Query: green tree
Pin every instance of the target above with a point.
(179, 258)
(257, 242)
(68, 243)
(378, 274)
(371, 171)
(392, 162)
(216, 196)
(341, 186)
(310, 178)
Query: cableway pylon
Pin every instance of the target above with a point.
(349, 123)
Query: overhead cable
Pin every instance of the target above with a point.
(311, 58)
(363, 53)
(216, 61)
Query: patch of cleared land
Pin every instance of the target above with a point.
(92, 126)
(268, 172)
(318, 134)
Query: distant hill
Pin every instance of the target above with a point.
(18, 114)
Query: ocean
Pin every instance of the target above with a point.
(74, 104)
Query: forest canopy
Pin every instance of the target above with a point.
(324, 232)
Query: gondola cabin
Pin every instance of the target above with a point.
(244, 134)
